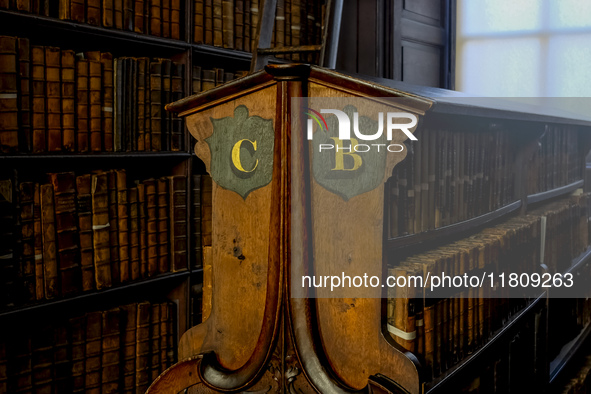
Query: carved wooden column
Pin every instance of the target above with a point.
(274, 219)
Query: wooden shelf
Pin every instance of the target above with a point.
(567, 353)
(120, 293)
(31, 25)
(96, 156)
(441, 383)
(442, 233)
(579, 262)
(559, 191)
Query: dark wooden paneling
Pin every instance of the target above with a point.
(347, 51)
(428, 8)
(367, 43)
(421, 64)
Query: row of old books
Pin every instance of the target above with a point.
(161, 18)
(557, 161)
(448, 177)
(443, 327)
(37, 7)
(54, 100)
(203, 80)
(88, 232)
(233, 23)
(120, 350)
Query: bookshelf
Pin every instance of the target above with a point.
(343, 341)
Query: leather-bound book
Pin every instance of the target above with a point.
(156, 17)
(128, 15)
(78, 350)
(68, 75)
(164, 335)
(38, 91)
(113, 226)
(128, 347)
(156, 106)
(118, 114)
(254, 22)
(123, 226)
(280, 24)
(131, 101)
(196, 79)
(21, 364)
(198, 22)
(66, 218)
(24, 67)
(228, 23)
(147, 107)
(134, 235)
(151, 226)
(165, 18)
(49, 242)
(176, 133)
(143, 230)
(142, 348)
(178, 222)
(108, 99)
(142, 92)
(138, 12)
(84, 207)
(93, 362)
(228, 77)
(9, 114)
(196, 222)
(53, 98)
(155, 341)
(219, 76)
(93, 12)
(4, 368)
(8, 249)
(62, 360)
(118, 14)
(208, 22)
(111, 349)
(77, 10)
(38, 229)
(218, 40)
(166, 98)
(163, 226)
(82, 106)
(239, 24)
(108, 13)
(23, 5)
(207, 80)
(246, 32)
(42, 361)
(100, 230)
(175, 19)
(94, 103)
(27, 254)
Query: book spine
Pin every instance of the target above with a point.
(108, 13)
(53, 99)
(246, 19)
(196, 260)
(23, 5)
(217, 23)
(143, 230)
(196, 80)
(42, 360)
(178, 222)
(147, 107)
(82, 107)
(128, 346)
(118, 13)
(207, 80)
(228, 23)
(64, 188)
(108, 92)
(24, 64)
(142, 348)
(254, 22)
(198, 21)
(164, 335)
(177, 134)
(77, 10)
(21, 360)
(175, 19)
(280, 24)
(239, 25)
(123, 226)
(78, 351)
(141, 104)
(38, 228)
(27, 254)
(113, 226)
(111, 348)
(4, 368)
(138, 25)
(9, 114)
(68, 105)
(128, 15)
(100, 230)
(156, 106)
(93, 12)
(62, 360)
(93, 362)
(151, 226)
(134, 235)
(163, 226)
(94, 101)
(166, 124)
(165, 9)
(49, 247)
(156, 18)
(84, 206)
(208, 21)
(155, 341)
